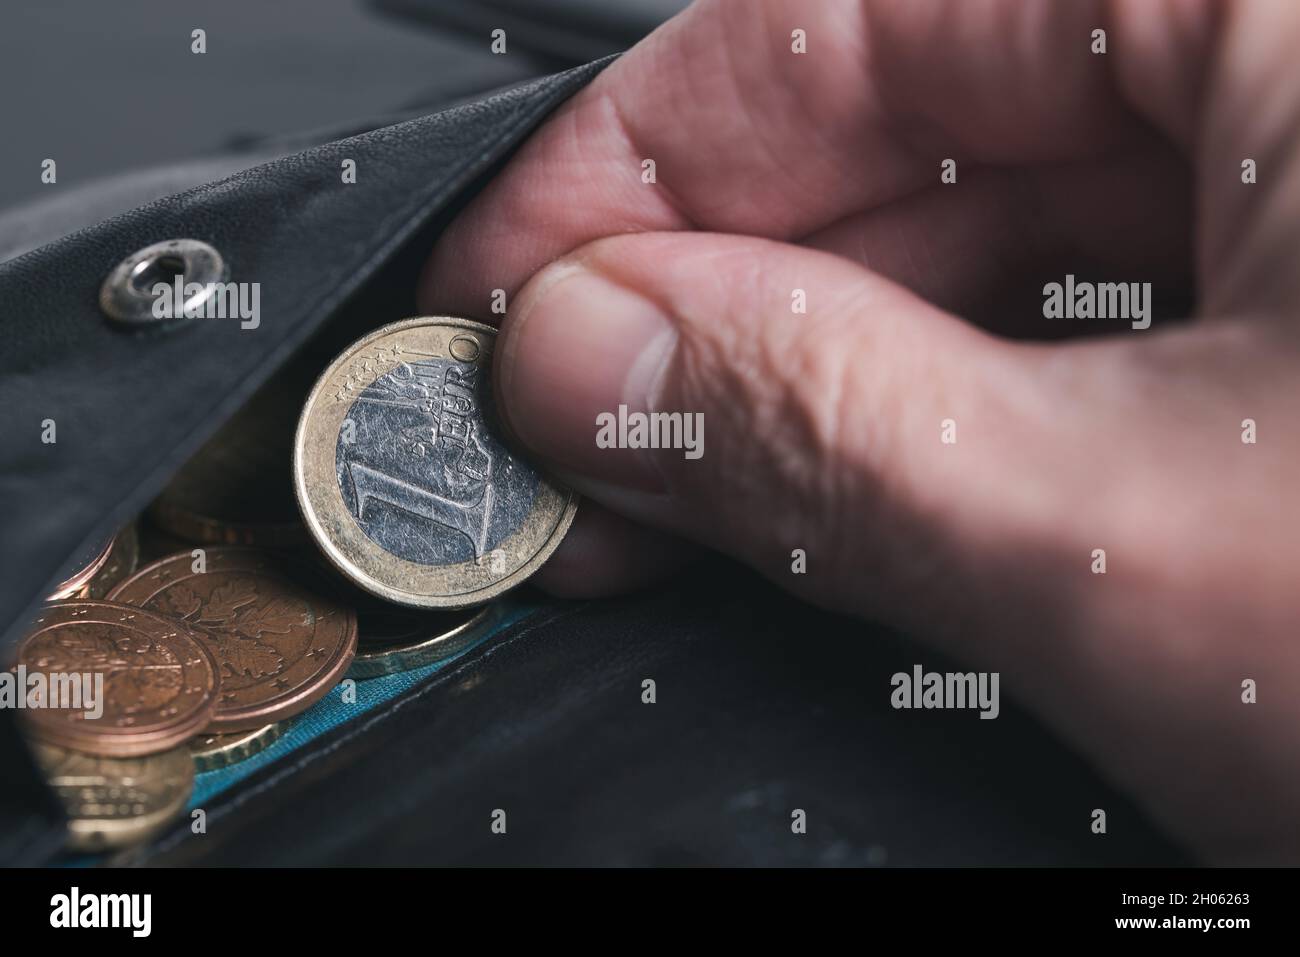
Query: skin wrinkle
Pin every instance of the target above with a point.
(1194, 129)
(724, 369)
(1003, 216)
(820, 130)
(912, 154)
(740, 96)
(1130, 73)
(867, 464)
(816, 419)
(719, 373)
(1094, 111)
(677, 209)
(847, 537)
(1245, 255)
(1094, 437)
(684, 66)
(803, 424)
(821, 414)
(610, 194)
(953, 288)
(742, 89)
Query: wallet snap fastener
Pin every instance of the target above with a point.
(189, 268)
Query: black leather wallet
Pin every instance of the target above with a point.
(764, 706)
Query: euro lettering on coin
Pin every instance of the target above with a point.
(403, 480)
(154, 683)
(279, 644)
(115, 802)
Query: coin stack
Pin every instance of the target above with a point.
(405, 517)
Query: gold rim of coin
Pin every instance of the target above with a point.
(390, 659)
(213, 751)
(408, 354)
(116, 802)
(279, 643)
(159, 683)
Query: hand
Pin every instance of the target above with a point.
(824, 431)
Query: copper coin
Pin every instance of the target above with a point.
(155, 682)
(442, 635)
(116, 802)
(123, 557)
(89, 561)
(280, 645)
(236, 489)
(381, 623)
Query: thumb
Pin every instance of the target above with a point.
(807, 404)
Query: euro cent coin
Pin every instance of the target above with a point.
(123, 557)
(280, 644)
(403, 479)
(232, 491)
(88, 563)
(118, 681)
(213, 751)
(441, 635)
(116, 802)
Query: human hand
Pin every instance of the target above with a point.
(824, 431)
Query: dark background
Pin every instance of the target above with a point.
(112, 88)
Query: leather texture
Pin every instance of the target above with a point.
(129, 406)
(763, 706)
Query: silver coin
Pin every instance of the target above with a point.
(403, 479)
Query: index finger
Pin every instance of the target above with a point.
(749, 135)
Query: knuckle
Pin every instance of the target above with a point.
(794, 431)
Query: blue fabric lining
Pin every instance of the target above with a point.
(331, 711)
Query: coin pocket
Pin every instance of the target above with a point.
(165, 440)
(303, 745)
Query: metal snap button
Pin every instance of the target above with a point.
(130, 294)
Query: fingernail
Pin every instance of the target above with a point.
(578, 345)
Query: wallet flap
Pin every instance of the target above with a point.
(125, 406)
